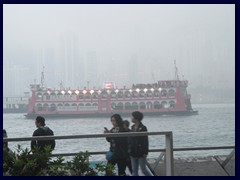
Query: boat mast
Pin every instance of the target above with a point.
(61, 85)
(176, 70)
(42, 78)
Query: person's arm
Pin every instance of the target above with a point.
(34, 142)
(145, 144)
(109, 139)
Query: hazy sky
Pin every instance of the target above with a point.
(125, 40)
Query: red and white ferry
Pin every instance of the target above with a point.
(165, 97)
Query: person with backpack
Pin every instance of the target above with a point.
(42, 130)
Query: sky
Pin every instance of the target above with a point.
(85, 45)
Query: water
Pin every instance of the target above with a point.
(214, 126)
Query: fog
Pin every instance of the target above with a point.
(85, 45)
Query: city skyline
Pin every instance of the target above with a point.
(104, 43)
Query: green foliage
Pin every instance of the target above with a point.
(107, 170)
(25, 162)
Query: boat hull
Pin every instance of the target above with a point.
(24, 110)
(96, 115)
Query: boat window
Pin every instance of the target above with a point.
(149, 105)
(120, 94)
(59, 93)
(45, 107)
(164, 93)
(74, 94)
(113, 95)
(172, 104)
(53, 94)
(142, 105)
(164, 103)
(67, 94)
(134, 106)
(113, 106)
(39, 96)
(88, 95)
(128, 106)
(135, 94)
(95, 95)
(171, 93)
(141, 93)
(157, 105)
(52, 107)
(80, 95)
(104, 94)
(127, 94)
(119, 106)
(149, 93)
(156, 93)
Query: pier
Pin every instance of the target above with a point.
(15, 104)
(165, 164)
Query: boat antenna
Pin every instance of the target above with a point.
(42, 77)
(61, 84)
(176, 70)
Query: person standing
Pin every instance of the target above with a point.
(138, 146)
(118, 145)
(42, 130)
(128, 160)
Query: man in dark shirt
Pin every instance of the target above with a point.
(42, 130)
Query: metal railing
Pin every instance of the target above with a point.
(223, 164)
(168, 143)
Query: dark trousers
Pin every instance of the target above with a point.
(129, 164)
(121, 164)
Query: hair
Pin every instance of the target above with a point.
(118, 118)
(137, 115)
(40, 120)
(126, 122)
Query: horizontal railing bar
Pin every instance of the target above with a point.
(154, 150)
(131, 134)
(203, 148)
(73, 154)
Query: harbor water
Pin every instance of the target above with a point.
(214, 126)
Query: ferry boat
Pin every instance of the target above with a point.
(165, 97)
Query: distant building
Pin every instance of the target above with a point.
(13, 82)
(91, 69)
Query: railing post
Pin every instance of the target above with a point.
(169, 154)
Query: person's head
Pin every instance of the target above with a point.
(40, 121)
(116, 120)
(137, 116)
(126, 124)
(4, 133)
